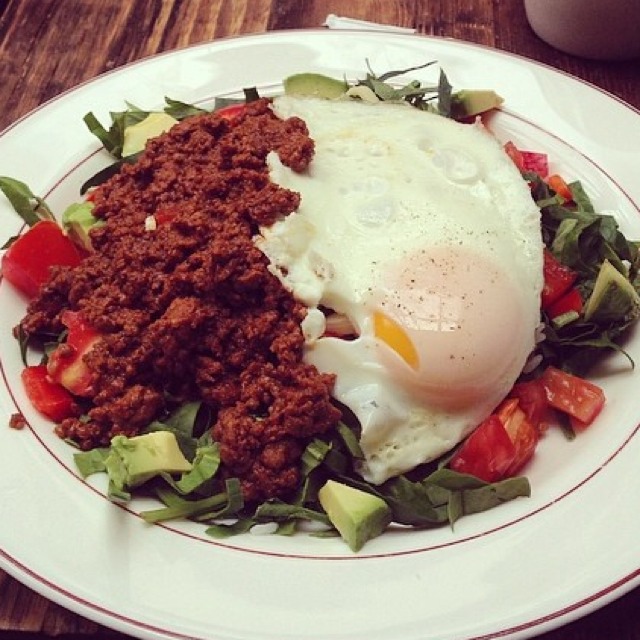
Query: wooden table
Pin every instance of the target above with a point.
(48, 46)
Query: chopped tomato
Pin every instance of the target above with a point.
(487, 453)
(165, 215)
(558, 278)
(48, 397)
(515, 154)
(523, 434)
(536, 162)
(232, 111)
(577, 425)
(579, 399)
(570, 301)
(501, 445)
(558, 184)
(66, 364)
(528, 160)
(28, 261)
(532, 399)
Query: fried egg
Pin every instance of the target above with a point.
(420, 234)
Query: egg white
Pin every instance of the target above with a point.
(426, 221)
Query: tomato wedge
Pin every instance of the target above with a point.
(528, 160)
(487, 453)
(232, 111)
(580, 399)
(536, 162)
(515, 154)
(558, 184)
(66, 364)
(28, 261)
(532, 399)
(523, 434)
(48, 397)
(500, 446)
(558, 279)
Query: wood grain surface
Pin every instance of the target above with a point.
(49, 46)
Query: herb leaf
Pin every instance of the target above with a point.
(29, 207)
(205, 466)
(413, 92)
(218, 505)
(181, 110)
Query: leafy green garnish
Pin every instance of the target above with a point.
(113, 138)
(26, 204)
(278, 511)
(583, 239)
(418, 96)
(220, 505)
(181, 110)
(205, 466)
(187, 422)
(222, 530)
(23, 342)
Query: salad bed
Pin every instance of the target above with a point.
(580, 242)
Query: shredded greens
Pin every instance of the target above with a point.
(436, 98)
(583, 239)
(428, 496)
(29, 207)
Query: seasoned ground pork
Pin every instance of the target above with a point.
(188, 310)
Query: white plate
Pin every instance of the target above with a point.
(516, 571)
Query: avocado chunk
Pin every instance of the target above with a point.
(133, 461)
(613, 297)
(357, 515)
(471, 102)
(78, 220)
(136, 136)
(315, 85)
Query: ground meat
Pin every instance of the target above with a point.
(189, 310)
(17, 421)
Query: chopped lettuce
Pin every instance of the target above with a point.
(585, 240)
(430, 497)
(29, 207)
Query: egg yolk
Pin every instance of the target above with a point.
(454, 318)
(395, 336)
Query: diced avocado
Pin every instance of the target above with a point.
(78, 220)
(133, 461)
(357, 515)
(471, 102)
(363, 93)
(136, 136)
(564, 319)
(613, 297)
(314, 85)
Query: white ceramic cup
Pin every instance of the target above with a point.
(596, 29)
